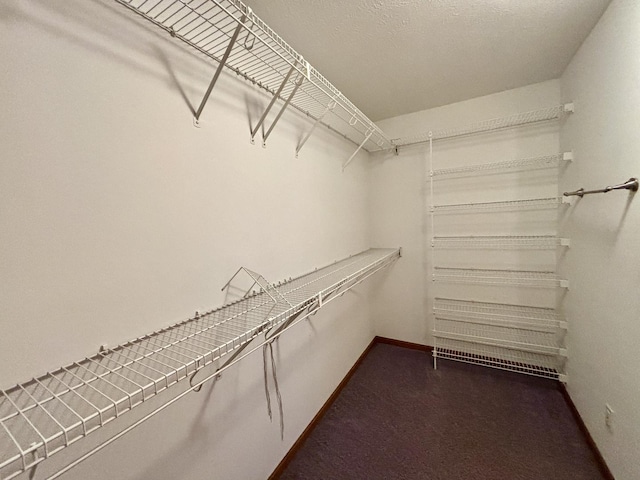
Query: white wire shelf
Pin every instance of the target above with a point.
(511, 278)
(530, 363)
(42, 416)
(510, 242)
(544, 203)
(262, 57)
(527, 329)
(493, 124)
(537, 319)
(529, 163)
(499, 336)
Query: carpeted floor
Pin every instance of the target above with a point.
(397, 418)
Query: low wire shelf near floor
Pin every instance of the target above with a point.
(511, 337)
(46, 414)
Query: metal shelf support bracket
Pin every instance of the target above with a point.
(273, 101)
(366, 138)
(221, 65)
(298, 82)
(332, 104)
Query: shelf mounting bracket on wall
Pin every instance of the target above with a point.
(366, 139)
(223, 61)
(297, 84)
(332, 104)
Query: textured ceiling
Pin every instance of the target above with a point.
(392, 57)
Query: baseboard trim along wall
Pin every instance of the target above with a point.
(426, 348)
(604, 468)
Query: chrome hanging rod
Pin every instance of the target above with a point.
(631, 184)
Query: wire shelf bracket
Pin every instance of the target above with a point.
(330, 107)
(297, 84)
(222, 63)
(48, 413)
(353, 155)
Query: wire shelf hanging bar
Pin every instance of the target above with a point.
(512, 278)
(490, 125)
(46, 414)
(500, 242)
(261, 57)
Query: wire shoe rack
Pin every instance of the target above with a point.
(229, 33)
(40, 417)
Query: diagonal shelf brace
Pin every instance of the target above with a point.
(299, 81)
(346, 164)
(273, 100)
(223, 61)
(331, 106)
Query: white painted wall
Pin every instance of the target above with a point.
(119, 217)
(400, 198)
(603, 303)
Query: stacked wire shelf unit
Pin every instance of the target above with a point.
(46, 414)
(521, 338)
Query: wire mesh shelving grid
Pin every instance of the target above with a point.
(509, 278)
(536, 242)
(485, 126)
(262, 57)
(512, 337)
(526, 317)
(530, 163)
(507, 205)
(530, 363)
(46, 414)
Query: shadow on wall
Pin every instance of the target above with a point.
(123, 39)
(623, 217)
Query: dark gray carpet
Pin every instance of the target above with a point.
(397, 418)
